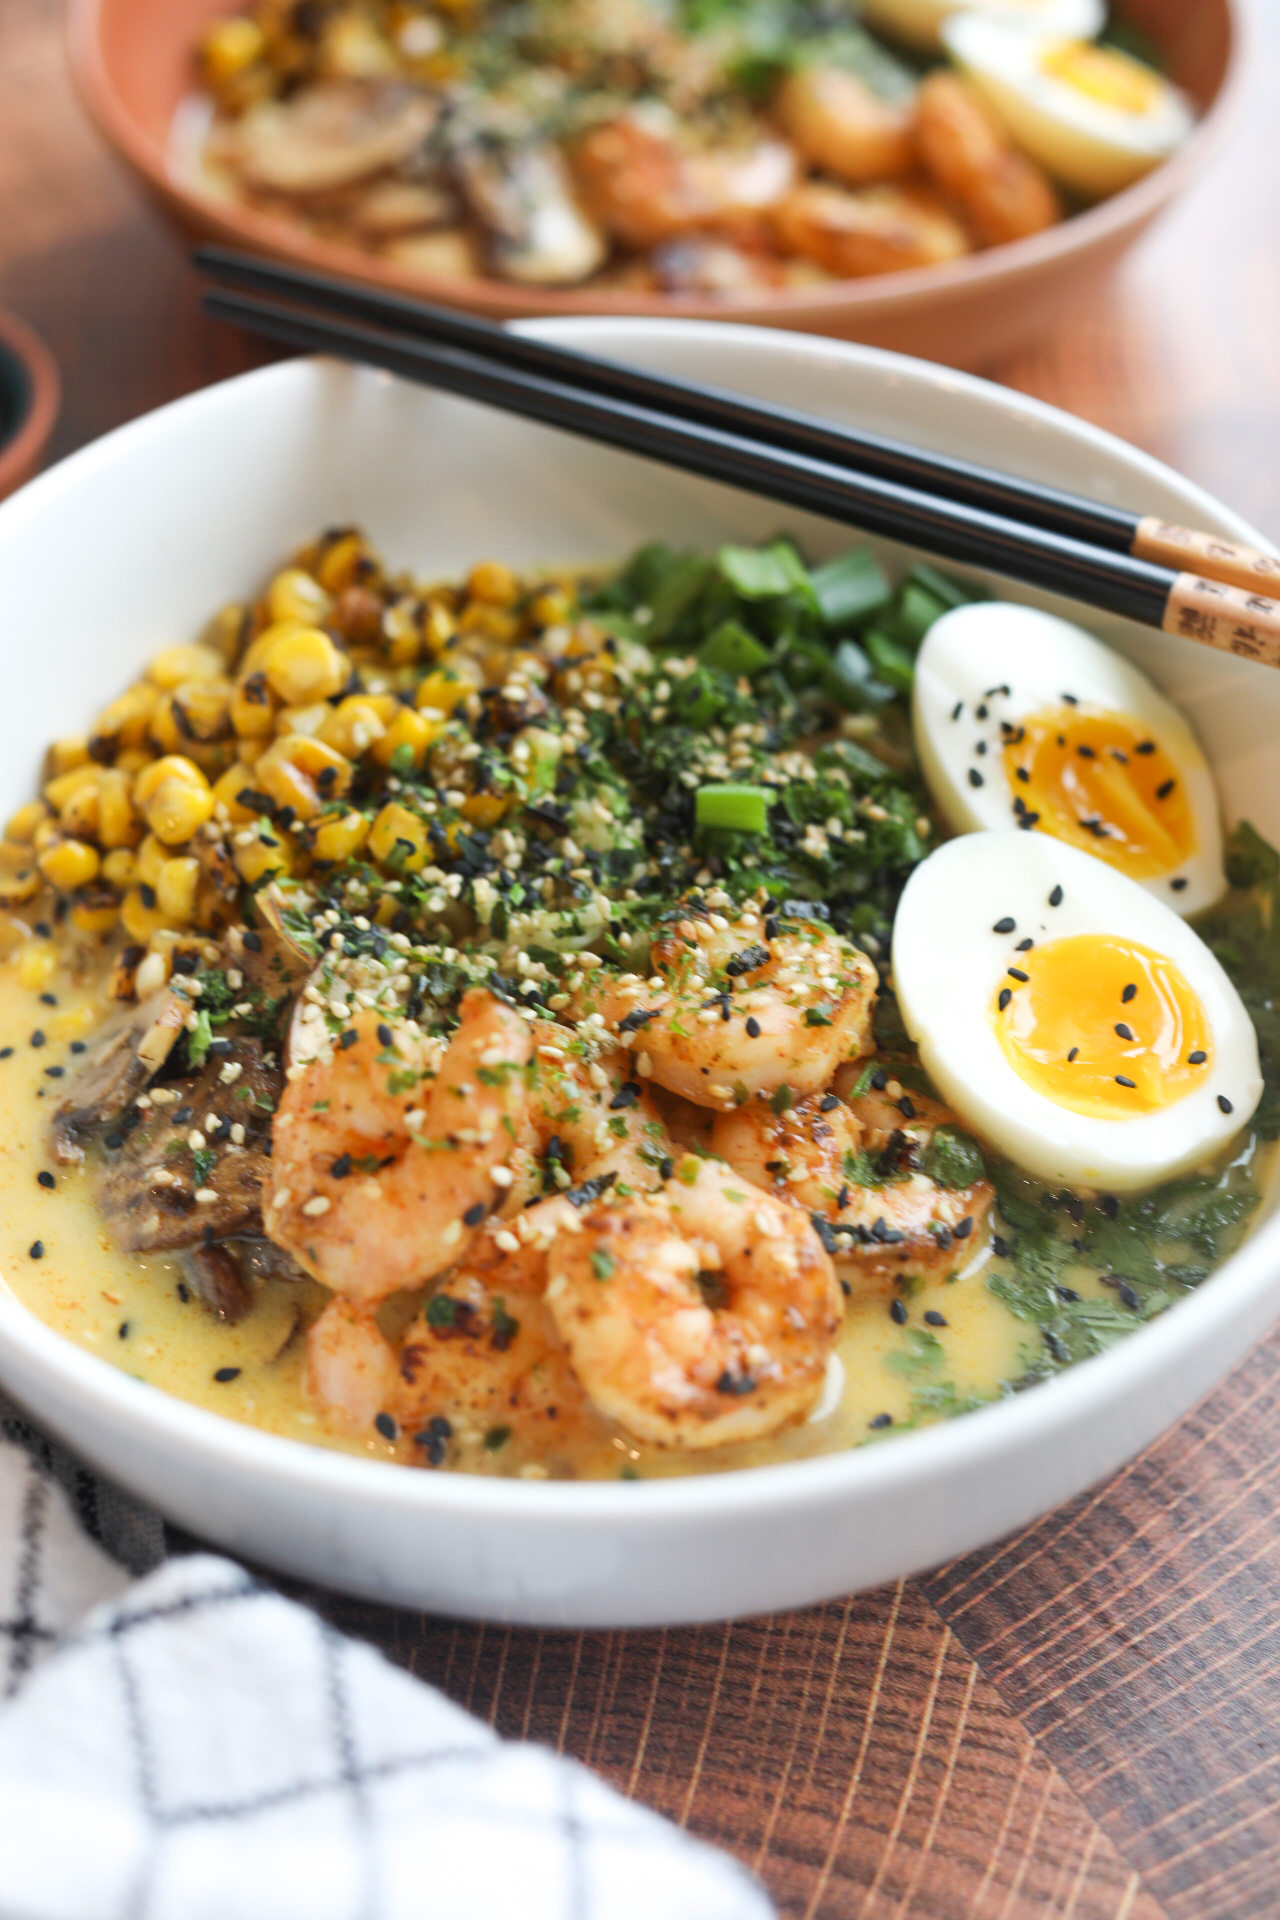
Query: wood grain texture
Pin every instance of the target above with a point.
(1084, 1722)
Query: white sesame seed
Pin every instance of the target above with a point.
(230, 1073)
(205, 1196)
(195, 1140)
(501, 1176)
(314, 1208)
(507, 1242)
(237, 1134)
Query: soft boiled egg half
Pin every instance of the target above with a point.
(1024, 720)
(1073, 1020)
(919, 22)
(1094, 118)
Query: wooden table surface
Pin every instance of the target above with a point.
(1084, 1721)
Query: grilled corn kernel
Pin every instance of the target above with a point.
(303, 719)
(95, 910)
(119, 867)
(356, 722)
(294, 595)
(445, 689)
(235, 781)
(173, 666)
(46, 835)
(165, 734)
(401, 635)
(339, 839)
(118, 824)
(202, 708)
(37, 965)
(148, 860)
(342, 564)
(124, 723)
(132, 760)
(59, 792)
(251, 751)
(486, 809)
(490, 623)
(398, 839)
(231, 46)
(70, 864)
(177, 809)
(24, 822)
(302, 773)
(174, 766)
(65, 754)
(15, 888)
(493, 582)
(550, 608)
(270, 851)
(176, 890)
(439, 628)
(405, 742)
(253, 707)
(139, 919)
(223, 634)
(304, 666)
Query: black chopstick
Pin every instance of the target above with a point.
(1115, 583)
(1116, 529)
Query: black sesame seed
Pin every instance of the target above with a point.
(828, 1103)
(55, 1073)
(1224, 1105)
(226, 1373)
(880, 1420)
(252, 940)
(907, 1107)
(348, 1039)
(1129, 994)
(384, 1035)
(183, 1295)
(963, 1228)
(1000, 1247)
(898, 1312)
(1071, 1056)
(182, 1115)
(1068, 1294)
(753, 1026)
(1177, 885)
(36, 1250)
(1006, 995)
(37, 1038)
(957, 710)
(1023, 774)
(1086, 753)
(1025, 946)
(386, 1426)
(981, 712)
(1057, 1348)
(77, 1046)
(1122, 1081)
(1129, 1298)
(1006, 925)
(474, 1215)
(975, 778)
(44, 930)
(1198, 1058)
(49, 999)
(113, 1140)
(148, 895)
(981, 747)
(771, 927)
(1125, 1033)
(6, 1053)
(46, 1180)
(1055, 898)
(880, 1079)
(1165, 788)
(842, 1199)
(1029, 820)
(1146, 746)
(1071, 699)
(122, 1331)
(1016, 973)
(935, 1319)
(1109, 1205)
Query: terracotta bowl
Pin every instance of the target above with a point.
(133, 62)
(30, 395)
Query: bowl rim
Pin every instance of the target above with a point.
(877, 296)
(1090, 1389)
(19, 453)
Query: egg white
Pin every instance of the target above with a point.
(1089, 145)
(994, 644)
(919, 22)
(948, 965)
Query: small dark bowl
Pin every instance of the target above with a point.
(30, 396)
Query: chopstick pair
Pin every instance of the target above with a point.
(1140, 567)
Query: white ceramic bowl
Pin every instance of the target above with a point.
(131, 543)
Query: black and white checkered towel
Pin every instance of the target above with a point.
(191, 1746)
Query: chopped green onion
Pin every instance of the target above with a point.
(734, 650)
(764, 573)
(892, 662)
(740, 809)
(851, 588)
(942, 586)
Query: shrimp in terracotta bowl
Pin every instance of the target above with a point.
(491, 1024)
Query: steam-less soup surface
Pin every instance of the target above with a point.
(457, 1024)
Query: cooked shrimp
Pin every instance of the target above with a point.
(858, 1166)
(743, 1011)
(843, 128)
(376, 1189)
(878, 230)
(351, 1368)
(674, 1364)
(1002, 194)
(641, 185)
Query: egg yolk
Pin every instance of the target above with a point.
(1102, 1026)
(1097, 781)
(1104, 75)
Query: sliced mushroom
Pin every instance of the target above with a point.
(228, 1274)
(524, 196)
(330, 136)
(128, 1051)
(268, 955)
(147, 1189)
